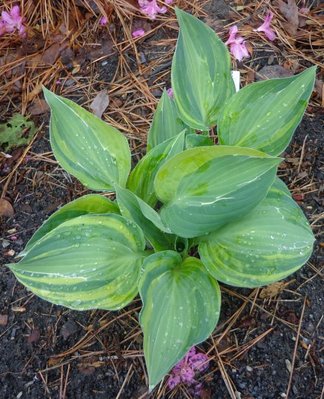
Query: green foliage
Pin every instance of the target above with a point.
(181, 305)
(16, 132)
(264, 115)
(190, 213)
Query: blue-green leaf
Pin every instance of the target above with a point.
(267, 245)
(88, 262)
(91, 150)
(166, 123)
(132, 207)
(264, 115)
(204, 188)
(181, 305)
(201, 77)
(141, 180)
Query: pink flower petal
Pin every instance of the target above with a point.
(239, 51)
(168, 2)
(265, 27)
(15, 13)
(237, 44)
(103, 21)
(151, 8)
(170, 92)
(22, 31)
(187, 375)
(7, 20)
(232, 33)
(304, 10)
(138, 33)
(173, 381)
(199, 362)
(12, 21)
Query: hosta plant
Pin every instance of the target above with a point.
(189, 214)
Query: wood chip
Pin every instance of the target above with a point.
(272, 290)
(6, 208)
(19, 309)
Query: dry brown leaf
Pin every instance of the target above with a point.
(52, 53)
(272, 290)
(6, 208)
(290, 11)
(100, 103)
(272, 72)
(38, 107)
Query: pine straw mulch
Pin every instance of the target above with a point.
(69, 52)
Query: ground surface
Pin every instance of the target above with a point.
(268, 345)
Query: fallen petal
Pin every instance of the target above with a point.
(170, 92)
(265, 27)
(239, 51)
(103, 21)
(138, 33)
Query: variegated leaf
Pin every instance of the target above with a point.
(91, 150)
(265, 246)
(181, 305)
(166, 123)
(141, 179)
(264, 115)
(91, 203)
(200, 74)
(206, 187)
(88, 262)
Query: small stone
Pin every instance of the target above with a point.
(5, 243)
(68, 328)
(288, 365)
(33, 336)
(249, 369)
(3, 320)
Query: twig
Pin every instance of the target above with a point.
(295, 349)
(125, 381)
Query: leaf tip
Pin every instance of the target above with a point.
(151, 387)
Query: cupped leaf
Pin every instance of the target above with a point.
(264, 115)
(132, 207)
(91, 150)
(88, 262)
(166, 122)
(91, 203)
(265, 246)
(206, 187)
(200, 74)
(141, 179)
(181, 305)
